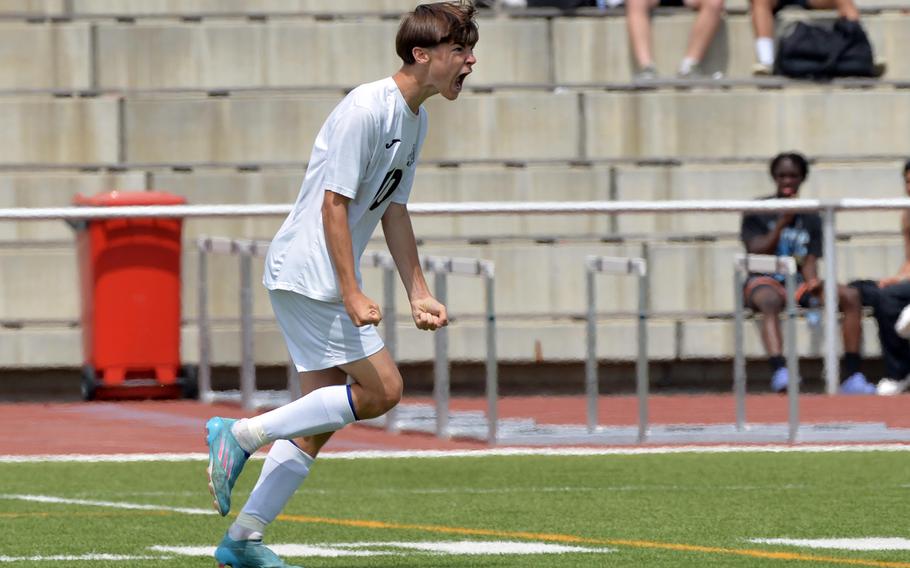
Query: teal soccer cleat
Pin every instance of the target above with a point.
(247, 554)
(226, 459)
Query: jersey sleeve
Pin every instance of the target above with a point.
(349, 148)
(407, 181)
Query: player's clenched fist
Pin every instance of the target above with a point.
(429, 314)
(362, 310)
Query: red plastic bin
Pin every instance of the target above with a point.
(130, 282)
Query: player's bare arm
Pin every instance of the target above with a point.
(429, 314)
(360, 308)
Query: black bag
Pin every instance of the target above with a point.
(811, 51)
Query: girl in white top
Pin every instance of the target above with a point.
(360, 173)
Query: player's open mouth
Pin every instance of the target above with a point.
(459, 81)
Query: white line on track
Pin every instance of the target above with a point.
(495, 452)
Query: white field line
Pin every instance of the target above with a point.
(865, 543)
(460, 548)
(496, 452)
(108, 504)
(81, 558)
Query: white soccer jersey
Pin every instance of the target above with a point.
(366, 150)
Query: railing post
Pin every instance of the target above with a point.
(247, 364)
(591, 386)
(641, 366)
(492, 369)
(739, 355)
(792, 358)
(202, 319)
(829, 251)
(441, 366)
(390, 331)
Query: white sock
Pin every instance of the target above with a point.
(686, 65)
(249, 435)
(323, 410)
(286, 467)
(764, 50)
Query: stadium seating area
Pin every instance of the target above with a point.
(220, 101)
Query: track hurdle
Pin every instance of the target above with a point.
(441, 268)
(248, 395)
(617, 265)
(765, 264)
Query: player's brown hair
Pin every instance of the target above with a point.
(432, 24)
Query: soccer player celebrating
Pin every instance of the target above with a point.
(360, 173)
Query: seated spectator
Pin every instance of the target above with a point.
(888, 298)
(764, 13)
(638, 22)
(798, 235)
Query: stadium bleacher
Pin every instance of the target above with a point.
(220, 102)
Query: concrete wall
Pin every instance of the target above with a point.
(42, 130)
(45, 56)
(306, 53)
(293, 53)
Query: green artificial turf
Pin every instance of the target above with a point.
(637, 506)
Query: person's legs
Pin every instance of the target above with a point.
(850, 304)
(286, 467)
(763, 27)
(638, 24)
(895, 349)
(703, 29)
(767, 301)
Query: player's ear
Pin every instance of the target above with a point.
(421, 54)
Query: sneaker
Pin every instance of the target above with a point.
(879, 67)
(857, 384)
(891, 387)
(780, 379)
(247, 554)
(762, 70)
(646, 73)
(226, 459)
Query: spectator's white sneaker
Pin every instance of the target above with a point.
(762, 70)
(891, 387)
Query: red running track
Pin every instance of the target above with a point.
(178, 426)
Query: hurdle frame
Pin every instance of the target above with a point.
(616, 265)
(246, 250)
(743, 265)
(441, 267)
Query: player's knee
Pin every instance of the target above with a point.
(380, 399)
(391, 394)
(850, 300)
(770, 306)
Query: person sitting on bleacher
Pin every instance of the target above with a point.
(798, 235)
(889, 299)
(765, 11)
(638, 22)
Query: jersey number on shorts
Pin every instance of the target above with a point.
(386, 188)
